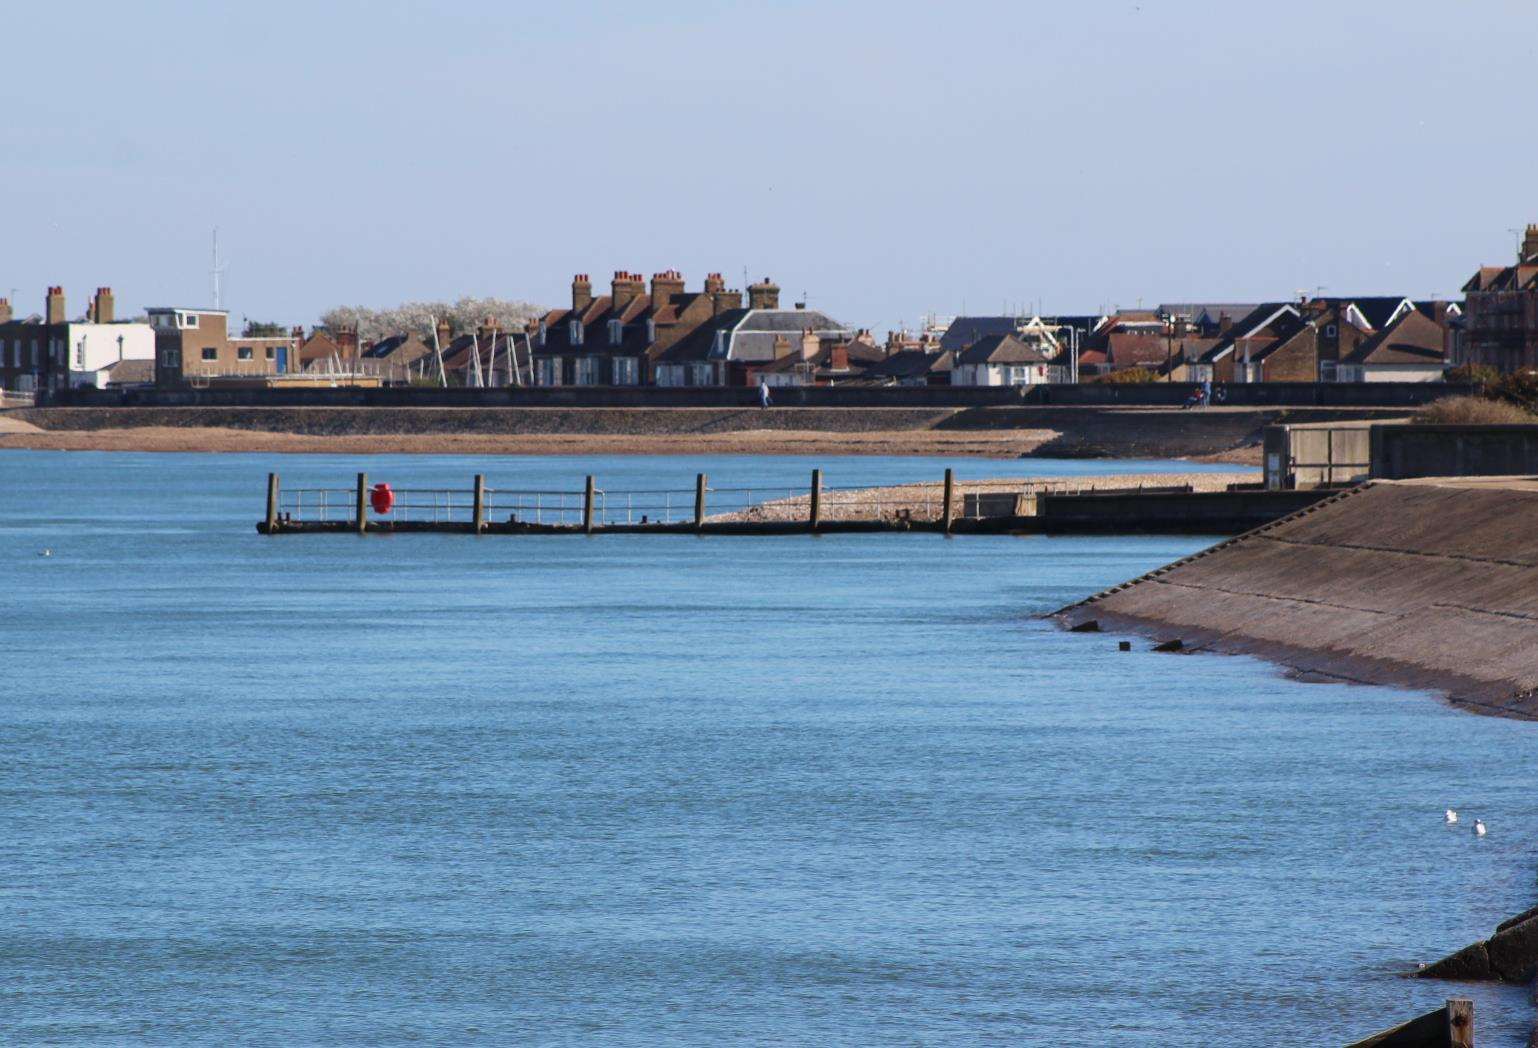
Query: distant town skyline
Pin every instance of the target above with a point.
(879, 161)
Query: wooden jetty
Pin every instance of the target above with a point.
(941, 507)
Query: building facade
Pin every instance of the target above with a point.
(50, 352)
(1500, 312)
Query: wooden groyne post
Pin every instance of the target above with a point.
(272, 503)
(947, 513)
(1451, 1026)
(478, 514)
(815, 517)
(587, 505)
(360, 508)
(699, 502)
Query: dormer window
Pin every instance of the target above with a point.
(541, 335)
(719, 349)
(651, 331)
(574, 332)
(616, 332)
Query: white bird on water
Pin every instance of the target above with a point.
(45, 553)
(1449, 816)
(1479, 828)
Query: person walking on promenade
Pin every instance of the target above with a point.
(763, 393)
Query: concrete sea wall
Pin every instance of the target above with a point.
(1085, 432)
(1427, 584)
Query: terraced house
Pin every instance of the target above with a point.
(736, 345)
(48, 351)
(616, 339)
(1501, 312)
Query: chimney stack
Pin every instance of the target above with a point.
(625, 288)
(347, 343)
(838, 357)
(720, 298)
(102, 306)
(664, 287)
(1529, 243)
(764, 295)
(445, 333)
(5, 310)
(53, 307)
(581, 292)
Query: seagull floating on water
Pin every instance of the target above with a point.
(1479, 828)
(1449, 816)
(45, 553)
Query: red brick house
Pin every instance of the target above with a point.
(1500, 312)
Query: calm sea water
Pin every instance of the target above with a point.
(672, 790)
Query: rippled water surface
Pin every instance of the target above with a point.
(664, 789)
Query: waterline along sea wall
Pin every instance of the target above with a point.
(1427, 584)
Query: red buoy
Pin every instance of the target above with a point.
(381, 498)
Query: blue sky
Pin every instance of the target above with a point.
(886, 158)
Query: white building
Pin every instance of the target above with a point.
(1004, 360)
(93, 348)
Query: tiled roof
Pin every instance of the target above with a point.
(130, 372)
(1002, 349)
(911, 363)
(1412, 339)
(963, 331)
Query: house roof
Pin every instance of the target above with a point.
(1002, 349)
(911, 363)
(1412, 339)
(750, 335)
(963, 331)
(130, 372)
(1261, 320)
(1195, 311)
(860, 357)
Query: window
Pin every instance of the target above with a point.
(172, 358)
(36, 353)
(587, 371)
(190, 320)
(651, 331)
(244, 353)
(271, 353)
(1329, 330)
(616, 332)
(702, 375)
(574, 332)
(210, 353)
(626, 371)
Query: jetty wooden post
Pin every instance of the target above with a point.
(587, 505)
(1460, 1022)
(816, 507)
(699, 502)
(948, 510)
(360, 510)
(272, 503)
(478, 515)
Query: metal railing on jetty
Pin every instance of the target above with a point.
(741, 510)
(1062, 506)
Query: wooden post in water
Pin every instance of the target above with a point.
(948, 510)
(478, 514)
(816, 509)
(272, 503)
(699, 502)
(360, 511)
(1460, 1022)
(587, 506)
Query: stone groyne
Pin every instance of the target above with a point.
(1425, 584)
